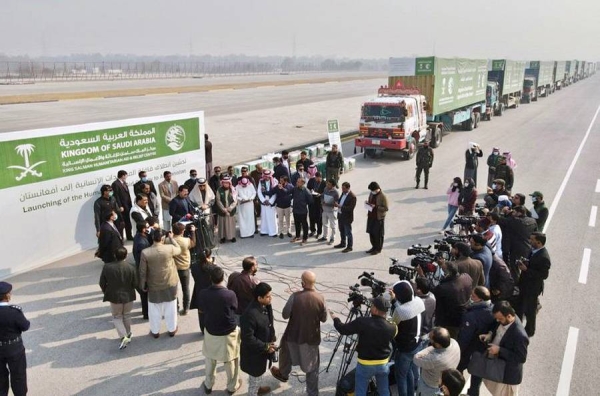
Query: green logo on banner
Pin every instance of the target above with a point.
(534, 64)
(43, 158)
(332, 126)
(424, 66)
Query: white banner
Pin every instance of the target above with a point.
(51, 177)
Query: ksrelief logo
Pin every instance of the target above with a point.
(25, 150)
(175, 137)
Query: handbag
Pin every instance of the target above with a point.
(490, 368)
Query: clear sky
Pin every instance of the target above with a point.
(517, 29)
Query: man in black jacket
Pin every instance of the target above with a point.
(374, 348)
(104, 206)
(452, 298)
(345, 206)
(118, 281)
(123, 197)
(509, 342)
(501, 281)
(476, 321)
(424, 162)
(539, 211)
(139, 185)
(110, 239)
(531, 283)
(258, 338)
(518, 227)
(301, 198)
(181, 206)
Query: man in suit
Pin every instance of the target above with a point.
(110, 238)
(376, 217)
(279, 169)
(507, 341)
(191, 182)
(531, 283)
(168, 190)
(181, 206)
(104, 206)
(345, 206)
(139, 185)
(121, 194)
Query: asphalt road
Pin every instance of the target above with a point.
(72, 347)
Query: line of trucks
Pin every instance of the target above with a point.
(426, 97)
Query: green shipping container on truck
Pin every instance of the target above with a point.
(546, 71)
(514, 73)
(447, 83)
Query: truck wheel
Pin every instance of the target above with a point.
(411, 150)
(469, 124)
(501, 110)
(477, 119)
(534, 99)
(369, 153)
(436, 138)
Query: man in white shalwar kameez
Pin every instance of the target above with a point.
(245, 209)
(268, 212)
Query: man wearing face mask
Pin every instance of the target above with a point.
(504, 172)
(539, 211)
(139, 186)
(121, 194)
(424, 162)
(492, 161)
(110, 239)
(191, 182)
(103, 206)
(476, 321)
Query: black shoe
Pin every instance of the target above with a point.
(417, 186)
(222, 240)
(206, 390)
(280, 236)
(130, 238)
(233, 240)
(289, 235)
(264, 234)
(425, 187)
(339, 246)
(347, 250)
(370, 251)
(323, 239)
(312, 234)
(374, 252)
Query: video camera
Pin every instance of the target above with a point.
(377, 287)
(404, 272)
(356, 297)
(418, 249)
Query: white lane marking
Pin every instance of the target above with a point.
(563, 185)
(598, 186)
(593, 215)
(566, 371)
(585, 265)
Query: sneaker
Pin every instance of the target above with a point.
(124, 341)
(442, 232)
(280, 236)
(277, 374)
(347, 250)
(323, 239)
(330, 242)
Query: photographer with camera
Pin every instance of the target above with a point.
(518, 228)
(406, 314)
(461, 252)
(452, 298)
(480, 251)
(375, 334)
(258, 339)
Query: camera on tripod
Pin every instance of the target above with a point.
(377, 287)
(356, 297)
(404, 272)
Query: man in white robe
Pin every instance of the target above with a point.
(203, 196)
(268, 213)
(245, 209)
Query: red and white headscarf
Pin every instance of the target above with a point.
(312, 170)
(509, 160)
(227, 180)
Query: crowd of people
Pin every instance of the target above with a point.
(426, 333)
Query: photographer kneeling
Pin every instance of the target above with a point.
(374, 348)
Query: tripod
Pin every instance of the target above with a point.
(349, 342)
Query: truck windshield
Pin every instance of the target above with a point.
(528, 84)
(382, 112)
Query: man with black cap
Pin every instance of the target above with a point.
(104, 206)
(378, 207)
(539, 211)
(424, 162)
(12, 352)
(492, 161)
(375, 334)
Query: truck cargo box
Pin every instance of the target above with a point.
(543, 71)
(508, 73)
(447, 83)
(561, 67)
